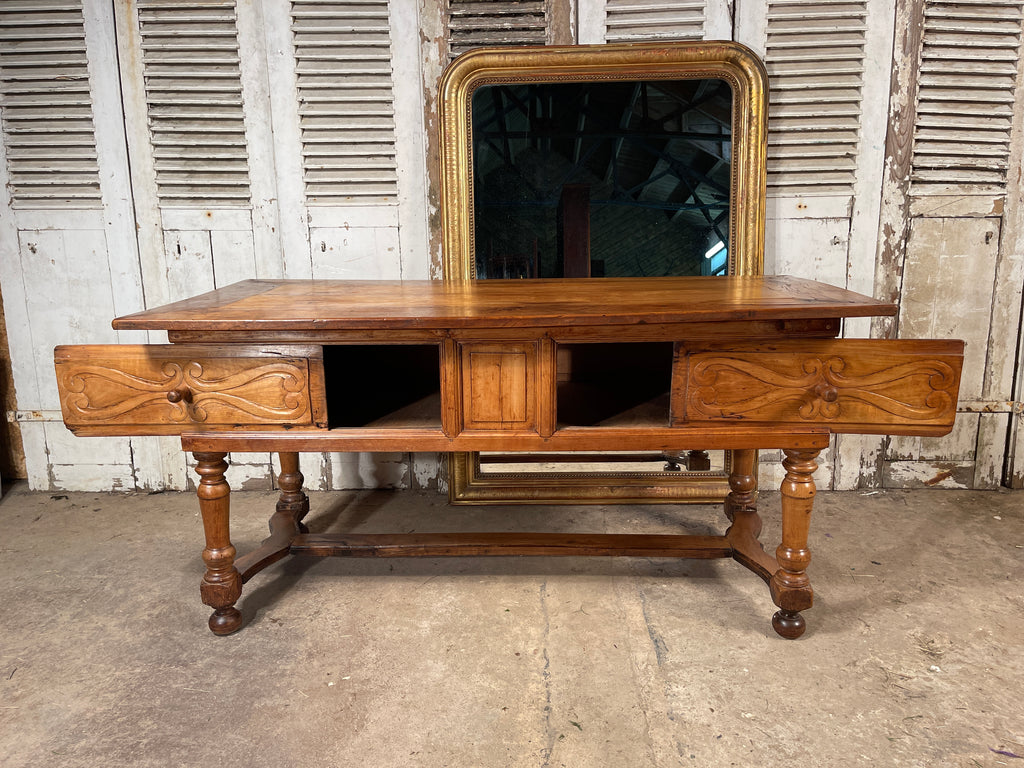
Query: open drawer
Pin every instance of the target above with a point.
(871, 386)
(169, 389)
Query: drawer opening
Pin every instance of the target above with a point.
(383, 385)
(613, 385)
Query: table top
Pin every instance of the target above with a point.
(262, 305)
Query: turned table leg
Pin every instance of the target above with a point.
(742, 496)
(293, 501)
(221, 585)
(790, 586)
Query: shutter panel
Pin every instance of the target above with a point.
(629, 20)
(965, 96)
(815, 61)
(345, 91)
(47, 112)
(475, 23)
(194, 102)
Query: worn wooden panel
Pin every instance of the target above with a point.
(250, 472)
(815, 249)
(69, 297)
(473, 24)
(1015, 478)
(189, 259)
(928, 474)
(948, 291)
(76, 464)
(159, 464)
(947, 288)
(234, 256)
(347, 252)
(958, 445)
(991, 449)
(411, 135)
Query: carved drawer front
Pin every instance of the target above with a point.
(866, 386)
(169, 389)
(499, 386)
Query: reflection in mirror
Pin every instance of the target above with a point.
(602, 178)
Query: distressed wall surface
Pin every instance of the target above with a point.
(298, 140)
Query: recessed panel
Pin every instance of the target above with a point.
(498, 386)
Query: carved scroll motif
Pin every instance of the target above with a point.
(231, 391)
(818, 389)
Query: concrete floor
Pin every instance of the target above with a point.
(913, 654)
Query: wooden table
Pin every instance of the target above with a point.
(735, 363)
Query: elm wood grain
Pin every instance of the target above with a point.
(790, 586)
(499, 386)
(785, 574)
(331, 305)
(504, 544)
(505, 319)
(734, 329)
(425, 413)
(712, 436)
(285, 524)
(870, 386)
(741, 509)
(154, 389)
(222, 584)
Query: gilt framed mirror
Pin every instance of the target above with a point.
(644, 159)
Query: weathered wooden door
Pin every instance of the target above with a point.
(952, 231)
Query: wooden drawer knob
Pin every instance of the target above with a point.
(180, 394)
(827, 392)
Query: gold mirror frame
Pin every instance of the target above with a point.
(723, 60)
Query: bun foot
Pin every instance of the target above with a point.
(789, 624)
(224, 621)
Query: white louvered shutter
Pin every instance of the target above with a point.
(632, 20)
(47, 113)
(476, 23)
(194, 100)
(965, 96)
(815, 60)
(345, 91)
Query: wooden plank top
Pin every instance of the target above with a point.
(263, 305)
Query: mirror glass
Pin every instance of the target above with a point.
(601, 178)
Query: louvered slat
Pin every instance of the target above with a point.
(629, 20)
(346, 110)
(475, 23)
(47, 113)
(965, 96)
(194, 102)
(815, 61)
